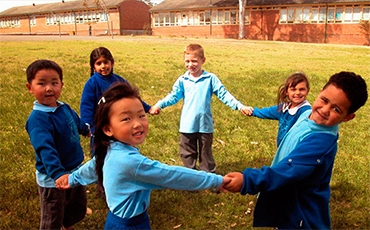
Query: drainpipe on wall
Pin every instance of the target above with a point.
(210, 16)
(326, 22)
(74, 15)
(29, 24)
(261, 26)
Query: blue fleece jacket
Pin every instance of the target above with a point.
(294, 193)
(196, 114)
(54, 135)
(129, 178)
(93, 90)
(286, 117)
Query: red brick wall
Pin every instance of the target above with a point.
(265, 26)
(134, 16)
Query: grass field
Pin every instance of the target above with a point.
(250, 70)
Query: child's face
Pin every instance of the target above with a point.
(46, 87)
(297, 94)
(194, 64)
(331, 107)
(103, 66)
(128, 122)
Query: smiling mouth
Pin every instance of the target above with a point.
(138, 133)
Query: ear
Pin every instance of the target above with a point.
(349, 117)
(107, 131)
(28, 85)
(204, 60)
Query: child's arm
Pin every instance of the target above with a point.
(174, 96)
(88, 103)
(147, 107)
(84, 175)
(267, 113)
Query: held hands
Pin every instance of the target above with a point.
(62, 182)
(233, 182)
(246, 110)
(154, 110)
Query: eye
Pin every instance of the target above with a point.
(337, 110)
(40, 83)
(126, 119)
(142, 116)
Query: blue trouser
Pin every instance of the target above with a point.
(138, 222)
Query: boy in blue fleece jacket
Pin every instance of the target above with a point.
(54, 128)
(294, 192)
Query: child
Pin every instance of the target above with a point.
(291, 103)
(294, 193)
(196, 87)
(54, 128)
(102, 77)
(127, 176)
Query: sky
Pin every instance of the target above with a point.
(6, 4)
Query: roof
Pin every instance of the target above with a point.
(55, 7)
(196, 4)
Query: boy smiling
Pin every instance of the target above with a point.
(294, 192)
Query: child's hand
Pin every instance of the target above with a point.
(62, 182)
(88, 126)
(225, 180)
(154, 110)
(247, 110)
(236, 182)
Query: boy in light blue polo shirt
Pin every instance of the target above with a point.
(196, 87)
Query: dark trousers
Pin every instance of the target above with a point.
(62, 207)
(194, 146)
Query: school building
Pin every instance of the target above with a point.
(89, 17)
(313, 21)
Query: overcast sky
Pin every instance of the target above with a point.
(6, 4)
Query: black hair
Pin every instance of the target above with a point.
(38, 65)
(101, 141)
(96, 54)
(353, 85)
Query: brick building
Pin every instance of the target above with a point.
(314, 21)
(78, 18)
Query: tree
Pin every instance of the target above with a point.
(365, 29)
(101, 5)
(242, 4)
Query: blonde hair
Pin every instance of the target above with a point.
(194, 49)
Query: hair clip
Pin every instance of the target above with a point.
(102, 99)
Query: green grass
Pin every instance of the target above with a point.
(250, 70)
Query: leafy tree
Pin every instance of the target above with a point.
(365, 29)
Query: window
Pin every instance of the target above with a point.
(227, 17)
(233, 17)
(290, 15)
(366, 13)
(322, 15)
(356, 14)
(32, 21)
(348, 14)
(156, 20)
(202, 18)
(220, 17)
(207, 17)
(283, 15)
